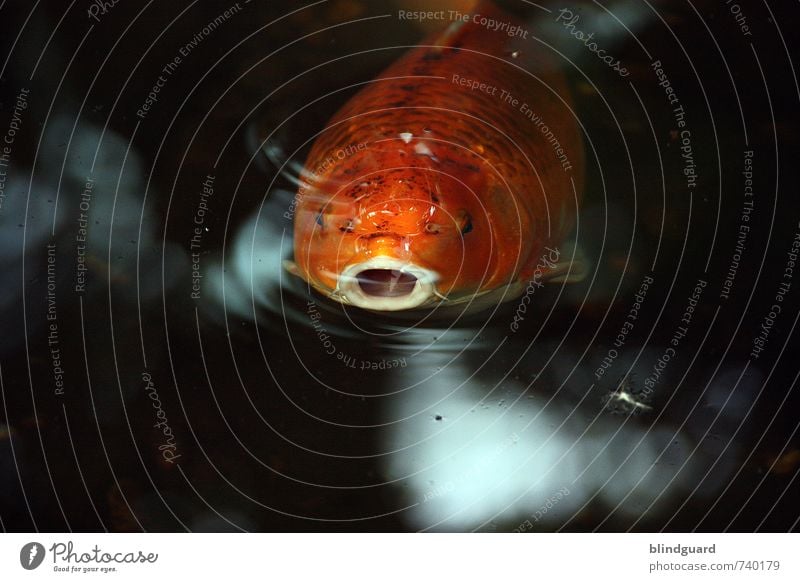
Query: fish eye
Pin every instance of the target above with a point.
(432, 228)
(466, 227)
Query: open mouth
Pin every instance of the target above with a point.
(386, 284)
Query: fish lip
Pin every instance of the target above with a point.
(348, 289)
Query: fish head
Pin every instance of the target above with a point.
(396, 240)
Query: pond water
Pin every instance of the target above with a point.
(161, 371)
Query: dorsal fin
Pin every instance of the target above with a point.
(451, 37)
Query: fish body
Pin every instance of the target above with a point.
(447, 178)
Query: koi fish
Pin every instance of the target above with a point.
(447, 179)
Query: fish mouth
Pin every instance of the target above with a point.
(386, 284)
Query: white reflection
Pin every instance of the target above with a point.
(84, 198)
(469, 455)
(253, 271)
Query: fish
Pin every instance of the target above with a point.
(451, 179)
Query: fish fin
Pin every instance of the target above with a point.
(464, 299)
(484, 299)
(271, 152)
(291, 267)
(292, 170)
(451, 35)
(572, 266)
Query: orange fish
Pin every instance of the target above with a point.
(455, 175)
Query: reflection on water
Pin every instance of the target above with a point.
(101, 228)
(162, 371)
(537, 456)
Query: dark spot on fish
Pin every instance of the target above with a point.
(472, 168)
(432, 56)
(408, 87)
(467, 227)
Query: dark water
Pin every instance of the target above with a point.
(157, 377)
